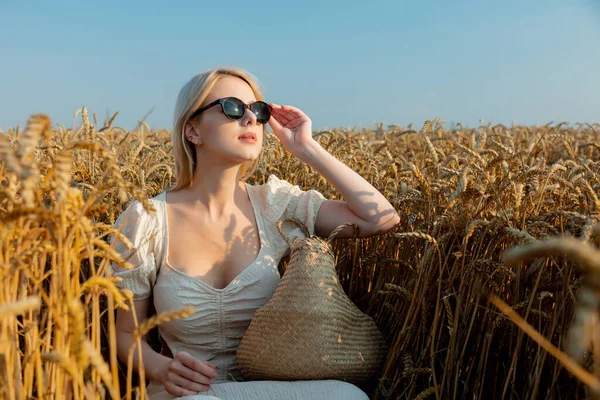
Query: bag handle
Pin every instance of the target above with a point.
(340, 228)
(295, 221)
(304, 229)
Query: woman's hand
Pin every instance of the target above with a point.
(292, 127)
(185, 375)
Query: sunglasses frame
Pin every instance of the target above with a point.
(222, 101)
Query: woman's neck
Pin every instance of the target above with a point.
(214, 190)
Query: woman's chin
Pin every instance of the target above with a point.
(249, 155)
(238, 156)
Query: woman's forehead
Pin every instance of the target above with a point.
(232, 86)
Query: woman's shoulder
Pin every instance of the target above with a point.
(278, 195)
(274, 184)
(280, 198)
(145, 211)
(140, 244)
(272, 191)
(278, 189)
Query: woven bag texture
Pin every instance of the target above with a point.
(310, 329)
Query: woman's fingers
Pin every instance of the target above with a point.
(275, 124)
(193, 370)
(187, 375)
(295, 123)
(283, 111)
(288, 116)
(194, 364)
(187, 384)
(187, 358)
(178, 390)
(295, 111)
(191, 375)
(281, 117)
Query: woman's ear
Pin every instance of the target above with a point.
(191, 134)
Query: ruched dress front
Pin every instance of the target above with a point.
(221, 316)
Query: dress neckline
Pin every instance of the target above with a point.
(238, 277)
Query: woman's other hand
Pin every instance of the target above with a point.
(185, 375)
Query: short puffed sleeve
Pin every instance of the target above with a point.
(284, 200)
(137, 225)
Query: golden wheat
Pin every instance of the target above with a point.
(465, 194)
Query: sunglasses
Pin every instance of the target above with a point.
(234, 108)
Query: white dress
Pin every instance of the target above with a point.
(214, 331)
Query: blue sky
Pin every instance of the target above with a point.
(345, 63)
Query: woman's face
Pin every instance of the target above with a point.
(218, 137)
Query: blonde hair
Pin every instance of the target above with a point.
(192, 97)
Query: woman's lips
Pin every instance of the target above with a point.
(248, 139)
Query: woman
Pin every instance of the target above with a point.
(213, 242)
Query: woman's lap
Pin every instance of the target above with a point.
(271, 390)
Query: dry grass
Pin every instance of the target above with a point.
(464, 195)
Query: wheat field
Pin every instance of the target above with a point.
(488, 288)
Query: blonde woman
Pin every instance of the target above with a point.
(213, 241)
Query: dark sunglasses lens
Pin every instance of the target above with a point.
(262, 112)
(233, 108)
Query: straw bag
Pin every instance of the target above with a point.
(310, 329)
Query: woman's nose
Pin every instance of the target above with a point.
(249, 117)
